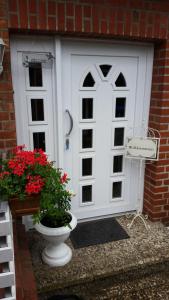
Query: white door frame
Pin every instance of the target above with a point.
(56, 47)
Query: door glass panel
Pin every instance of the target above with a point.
(86, 193)
(87, 108)
(117, 189)
(86, 166)
(35, 74)
(87, 138)
(120, 81)
(105, 69)
(39, 140)
(89, 81)
(120, 107)
(117, 163)
(119, 137)
(37, 109)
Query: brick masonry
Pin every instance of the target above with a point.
(141, 20)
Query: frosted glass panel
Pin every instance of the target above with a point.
(105, 69)
(117, 189)
(120, 107)
(87, 138)
(87, 108)
(86, 193)
(39, 140)
(89, 81)
(37, 109)
(120, 81)
(35, 74)
(86, 166)
(117, 163)
(118, 136)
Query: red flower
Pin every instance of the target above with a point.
(3, 174)
(63, 178)
(34, 185)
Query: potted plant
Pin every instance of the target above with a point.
(28, 176)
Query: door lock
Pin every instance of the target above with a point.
(67, 144)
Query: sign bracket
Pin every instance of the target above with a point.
(146, 155)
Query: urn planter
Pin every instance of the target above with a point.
(56, 253)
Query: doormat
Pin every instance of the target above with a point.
(97, 232)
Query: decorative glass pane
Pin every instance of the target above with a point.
(39, 140)
(117, 163)
(117, 189)
(120, 107)
(120, 81)
(86, 193)
(119, 137)
(87, 138)
(37, 109)
(87, 108)
(35, 74)
(105, 69)
(86, 166)
(89, 81)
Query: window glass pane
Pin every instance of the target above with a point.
(89, 81)
(105, 69)
(35, 74)
(119, 137)
(37, 109)
(87, 108)
(120, 107)
(120, 81)
(87, 138)
(117, 163)
(86, 193)
(116, 189)
(39, 140)
(86, 166)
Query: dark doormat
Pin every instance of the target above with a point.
(97, 232)
(64, 297)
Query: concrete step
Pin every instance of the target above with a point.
(152, 283)
(109, 270)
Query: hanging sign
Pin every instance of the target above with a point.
(143, 148)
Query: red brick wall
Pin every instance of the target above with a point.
(143, 20)
(156, 202)
(7, 117)
(122, 18)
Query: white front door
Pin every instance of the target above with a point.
(103, 93)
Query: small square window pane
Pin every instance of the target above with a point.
(87, 108)
(117, 189)
(120, 107)
(87, 138)
(117, 163)
(35, 74)
(37, 109)
(39, 140)
(86, 193)
(118, 136)
(86, 166)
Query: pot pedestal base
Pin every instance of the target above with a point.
(57, 255)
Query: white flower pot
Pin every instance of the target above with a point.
(57, 253)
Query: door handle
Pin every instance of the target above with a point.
(71, 123)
